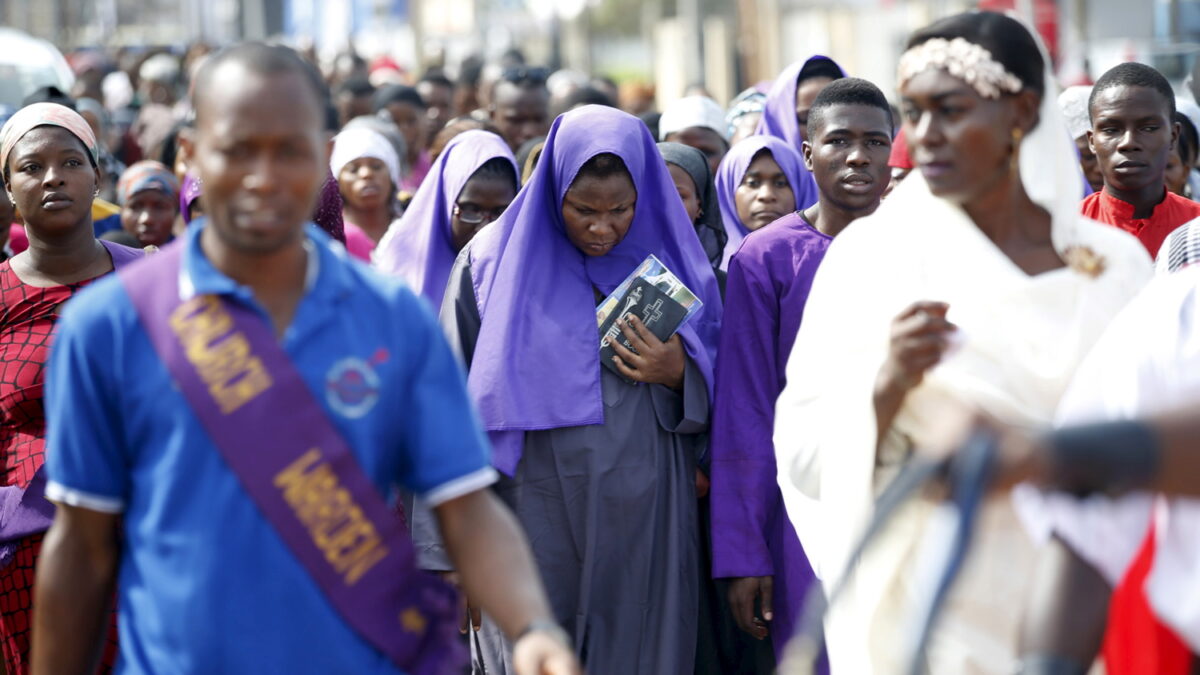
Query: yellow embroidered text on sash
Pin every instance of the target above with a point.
(233, 375)
(336, 524)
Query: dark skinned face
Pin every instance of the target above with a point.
(350, 106)
(848, 156)
(686, 187)
(260, 152)
(705, 140)
(1132, 135)
(1176, 175)
(482, 196)
(1087, 162)
(440, 100)
(149, 215)
(520, 113)
(365, 184)
(410, 120)
(598, 212)
(806, 93)
(52, 181)
(765, 195)
(960, 141)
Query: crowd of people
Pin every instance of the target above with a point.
(333, 397)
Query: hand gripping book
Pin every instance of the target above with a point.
(654, 295)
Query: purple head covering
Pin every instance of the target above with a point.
(328, 214)
(779, 114)
(733, 169)
(537, 360)
(188, 194)
(420, 248)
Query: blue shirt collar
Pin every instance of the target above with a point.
(326, 279)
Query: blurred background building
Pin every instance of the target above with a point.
(725, 45)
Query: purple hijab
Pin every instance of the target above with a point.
(420, 247)
(189, 193)
(537, 359)
(733, 169)
(779, 114)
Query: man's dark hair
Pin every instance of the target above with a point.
(585, 96)
(469, 71)
(847, 91)
(436, 77)
(821, 67)
(1134, 75)
(356, 87)
(1008, 41)
(396, 93)
(49, 94)
(651, 119)
(262, 59)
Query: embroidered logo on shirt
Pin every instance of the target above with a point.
(352, 387)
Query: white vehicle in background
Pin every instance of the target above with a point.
(27, 63)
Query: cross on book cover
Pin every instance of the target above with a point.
(653, 294)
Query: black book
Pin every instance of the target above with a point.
(658, 311)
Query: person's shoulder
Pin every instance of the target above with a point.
(1121, 252)
(102, 305)
(1182, 204)
(1091, 203)
(369, 283)
(790, 233)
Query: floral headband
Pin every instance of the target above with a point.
(965, 60)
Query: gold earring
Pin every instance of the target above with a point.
(1015, 158)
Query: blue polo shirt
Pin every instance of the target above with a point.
(205, 583)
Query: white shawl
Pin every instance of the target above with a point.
(1021, 339)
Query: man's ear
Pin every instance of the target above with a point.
(806, 149)
(187, 145)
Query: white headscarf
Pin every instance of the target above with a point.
(1073, 102)
(360, 142)
(691, 111)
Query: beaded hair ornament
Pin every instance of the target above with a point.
(965, 60)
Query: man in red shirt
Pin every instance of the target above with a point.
(1132, 108)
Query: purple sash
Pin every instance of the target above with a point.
(25, 511)
(296, 467)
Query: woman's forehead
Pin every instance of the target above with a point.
(48, 137)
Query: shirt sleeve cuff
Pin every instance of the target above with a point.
(453, 489)
(59, 493)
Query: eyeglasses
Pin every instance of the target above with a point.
(473, 215)
(522, 74)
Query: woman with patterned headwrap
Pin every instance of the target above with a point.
(48, 156)
(148, 195)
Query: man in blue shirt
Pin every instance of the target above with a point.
(205, 582)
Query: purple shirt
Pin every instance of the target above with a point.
(768, 285)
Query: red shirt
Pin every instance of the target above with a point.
(1168, 215)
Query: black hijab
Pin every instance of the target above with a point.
(709, 227)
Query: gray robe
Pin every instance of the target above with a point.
(611, 515)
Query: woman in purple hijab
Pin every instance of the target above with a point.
(600, 471)
(759, 181)
(785, 115)
(470, 184)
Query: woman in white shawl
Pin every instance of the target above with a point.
(976, 281)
